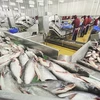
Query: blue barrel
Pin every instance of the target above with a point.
(13, 30)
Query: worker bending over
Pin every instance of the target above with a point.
(76, 24)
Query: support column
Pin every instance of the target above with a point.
(46, 6)
(98, 4)
(37, 6)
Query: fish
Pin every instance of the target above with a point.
(98, 58)
(44, 74)
(1, 40)
(55, 87)
(16, 69)
(93, 64)
(23, 58)
(9, 84)
(30, 54)
(64, 75)
(78, 95)
(3, 52)
(72, 67)
(64, 58)
(98, 48)
(91, 81)
(2, 34)
(6, 59)
(38, 91)
(29, 71)
(88, 54)
(36, 52)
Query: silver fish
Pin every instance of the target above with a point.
(36, 52)
(44, 74)
(38, 91)
(9, 84)
(72, 67)
(93, 64)
(75, 95)
(3, 52)
(30, 54)
(29, 72)
(16, 69)
(54, 87)
(66, 76)
(91, 81)
(23, 58)
(5, 60)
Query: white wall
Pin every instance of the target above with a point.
(78, 7)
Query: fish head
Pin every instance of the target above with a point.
(44, 62)
(13, 59)
(20, 49)
(62, 87)
(40, 53)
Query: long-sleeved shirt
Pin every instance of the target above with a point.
(89, 20)
(85, 22)
(96, 22)
(76, 23)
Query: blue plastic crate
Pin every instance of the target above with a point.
(68, 26)
(96, 28)
(13, 30)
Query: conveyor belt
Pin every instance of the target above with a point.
(62, 50)
(60, 33)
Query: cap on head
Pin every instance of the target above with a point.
(75, 16)
(84, 16)
(68, 17)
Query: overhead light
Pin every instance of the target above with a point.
(31, 2)
(31, 6)
(40, 0)
(22, 7)
(15, 8)
(41, 3)
(4, 6)
(50, 2)
(12, 3)
(61, 1)
(19, 1)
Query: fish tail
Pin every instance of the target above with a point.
(19, 81)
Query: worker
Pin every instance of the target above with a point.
(88, 23)
(57, 20)
(97, 21)
(36, 20)
(83, 31)
(76, 24)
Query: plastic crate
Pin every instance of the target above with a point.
(13, 30)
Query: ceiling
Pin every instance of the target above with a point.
(26, 3)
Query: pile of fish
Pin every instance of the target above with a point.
(92, 57)
(19, 65)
